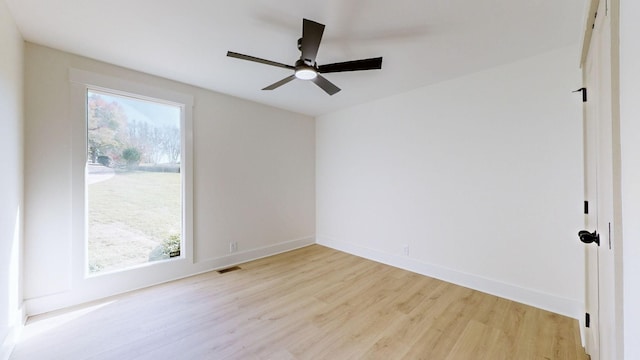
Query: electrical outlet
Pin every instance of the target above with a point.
(233, 246)
(405, 250)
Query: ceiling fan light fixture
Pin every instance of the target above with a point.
(306, 73)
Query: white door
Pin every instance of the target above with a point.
(591, 209)
(600, 275)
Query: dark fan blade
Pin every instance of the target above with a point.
(255, 59)
(311, 37)
(326, 85)
(355, 65)
(280, 83)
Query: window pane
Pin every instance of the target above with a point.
(134, 183)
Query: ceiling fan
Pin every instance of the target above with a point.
(306, 67)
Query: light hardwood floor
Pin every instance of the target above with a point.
(311, 303)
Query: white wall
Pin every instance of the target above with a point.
(11, 142)
(480, 176)
(254, 181)
(630, 148)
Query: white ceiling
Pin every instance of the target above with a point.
(422, 41)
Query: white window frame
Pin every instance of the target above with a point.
(153, 272)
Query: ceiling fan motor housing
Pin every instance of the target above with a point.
(308, 62)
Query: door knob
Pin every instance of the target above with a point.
(588, 237)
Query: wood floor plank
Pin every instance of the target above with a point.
(311, 303)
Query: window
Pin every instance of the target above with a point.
(134, 182)
(132, 193)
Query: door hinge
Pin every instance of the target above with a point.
(587, 320)
(584, 93)
(586, 207)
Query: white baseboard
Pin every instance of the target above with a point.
(258, 253)
(10, 340)
(559, 305)
(48, 303)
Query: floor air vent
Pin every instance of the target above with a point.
(233, 268)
